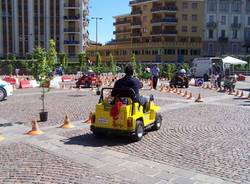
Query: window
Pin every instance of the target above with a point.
(184, 28)
(236, 19)
(170, 51)
(194, 5)
(194, 17)
(211, 18)
(235, 34)
(210, 34)
(248, 21)
(236, 6)
(194, 29)
(248, 6)
(182, 52)
(184, 17)
(224, 6)
(184, 5)
(195, 52)
(223, 20)
(211, 5)
(223, 33)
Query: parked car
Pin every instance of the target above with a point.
(87, 79)
(6, 89)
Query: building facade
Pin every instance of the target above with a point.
(25, 24)
(156, 31)
(227, 27)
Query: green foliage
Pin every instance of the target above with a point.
(138, 69)
(51, 55)
(133, 61)
(82, 61)
(98, 60)
(64, 60)
(39, 65)
(9, 69)
(112, 64)
(168, 70)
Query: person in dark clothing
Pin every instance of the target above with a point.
(128, 81)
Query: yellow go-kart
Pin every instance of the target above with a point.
(121, 113)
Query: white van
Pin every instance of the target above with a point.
(204, 65)
(6, 89)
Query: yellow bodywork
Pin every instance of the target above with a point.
(103, 119)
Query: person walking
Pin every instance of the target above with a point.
(155, 72)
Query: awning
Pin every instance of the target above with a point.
(233, 61)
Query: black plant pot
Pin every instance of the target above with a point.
(43, 116)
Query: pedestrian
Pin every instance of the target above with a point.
(155, 72)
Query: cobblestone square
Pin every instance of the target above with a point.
(198, 143)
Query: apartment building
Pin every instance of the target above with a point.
(25, 24)
(156, 31)
(227, 27)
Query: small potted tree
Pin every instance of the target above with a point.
(43, 66)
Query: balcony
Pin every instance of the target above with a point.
(166, 20)
(71, 5)
(136, 34)
(164, 32)
(72, 18)
(121, 22)
(211, 25)
(164, 9)
(138, 1)
(136, 12)
(71, 42)
(136, 24)
(223, 39)
(71, 30)
(121, 31)
(235, 25)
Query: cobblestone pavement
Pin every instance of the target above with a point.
(211, 138)
(23, 163)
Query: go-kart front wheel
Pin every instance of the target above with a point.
(158, 122)
(139, 131)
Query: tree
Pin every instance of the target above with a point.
(112, 64)
(98, 60)
(64, 60)
(133, 61)
(82, 60)
(39, 65)
(51, 55)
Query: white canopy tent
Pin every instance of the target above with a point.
(233, 61)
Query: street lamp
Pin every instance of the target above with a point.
(96, 19)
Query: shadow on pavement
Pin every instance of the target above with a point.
(89, 139)
(245, 89)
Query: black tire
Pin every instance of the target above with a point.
(98, 134)
(186, 85)
(158, 122)
(139, 131)
(87, 84)
(3, 94)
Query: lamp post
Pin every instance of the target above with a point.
(96, 19)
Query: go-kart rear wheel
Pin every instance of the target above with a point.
(158, 122)
(139, 131)
(98, 134)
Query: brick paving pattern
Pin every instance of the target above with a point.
(29, 164)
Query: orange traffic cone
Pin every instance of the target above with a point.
(67, 123)
(185, 94)
(190, 96)
(199, 99)
(162, 88)
(35, 129)
(88, 121)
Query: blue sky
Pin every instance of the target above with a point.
(105, 9)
